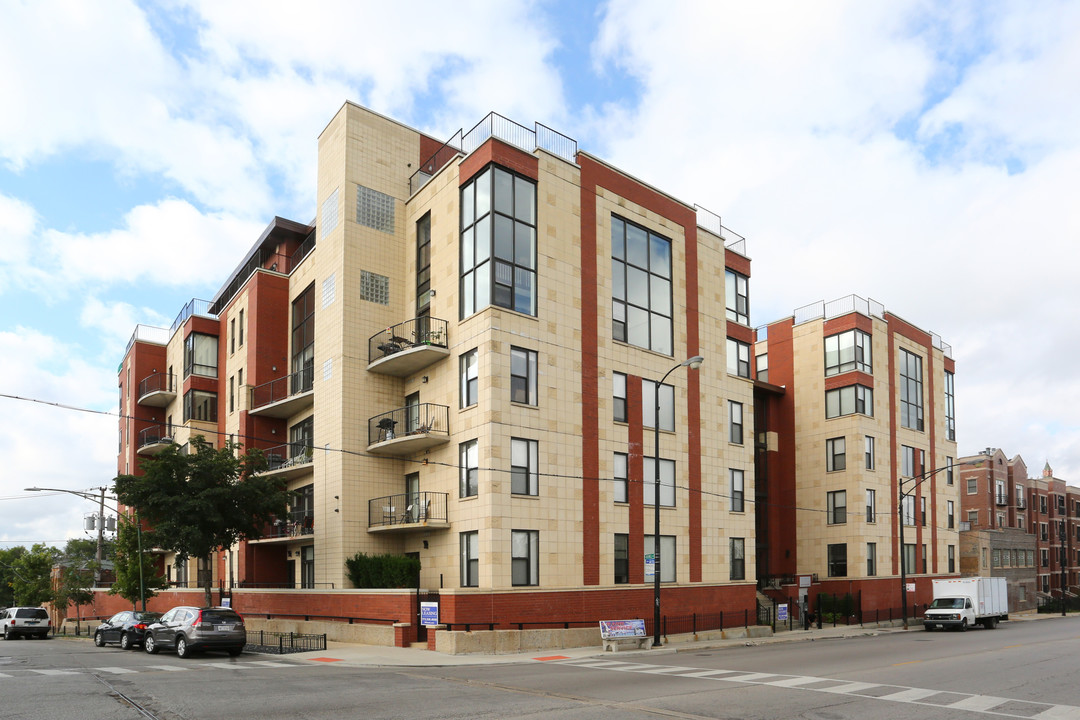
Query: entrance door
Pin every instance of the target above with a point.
(412, 497)
(412, 413)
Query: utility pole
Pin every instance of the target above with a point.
(100, 537)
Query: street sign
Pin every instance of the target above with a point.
(781, 613)
(650, 564)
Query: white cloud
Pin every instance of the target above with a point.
(166, 244)
(784, 120)
(50, 445)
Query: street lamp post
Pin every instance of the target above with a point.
(101, 532)
(693, 363)
(920, 479)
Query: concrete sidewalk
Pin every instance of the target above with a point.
(349, 654)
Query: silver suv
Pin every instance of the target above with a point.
(187, 629)
(25, 621)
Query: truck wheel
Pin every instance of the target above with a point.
(963, 625)
(991, 623)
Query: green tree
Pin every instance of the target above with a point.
(204, 500)
(8, 556)
(32, 581)
(127, 560)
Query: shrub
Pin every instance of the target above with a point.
(383, 571)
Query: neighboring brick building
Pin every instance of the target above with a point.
(458, 361)
(858, 404)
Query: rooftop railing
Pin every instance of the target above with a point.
(194, 307)
(495, 126)
(150, 334)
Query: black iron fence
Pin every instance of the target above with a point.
(283, 387)
(158, 382)
(281, 642)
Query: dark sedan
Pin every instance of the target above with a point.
(124, 628)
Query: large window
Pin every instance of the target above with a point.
(837, 507)
(307, 567)
(648, 405)
(523, 467)
(735, 422)
(498, 242)
(738, 489)
(523, 376)
(620, 479)
(525, 557)
(737, 550)
(738, 358)
(667, 558)
(470, 558)
(737, 287)
(848, 401)
(622, 558)
(950, 406)
(470, 378)
(469, 464)
(200, 355)
(303, 341)
(619, 396)
(667, 482)
(423, 264)
(641, 287)
(200, 405)
(761, 365)
(302, 437)
(912, 461)
(835, 454)
(908, 509)
(911, 397)
(846, 351)
(909, 558)
(837, 555)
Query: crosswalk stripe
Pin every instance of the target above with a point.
(116, 670)
(1057, 712)
(55, 672)
(978, 702)
(794, 682)
(851, 687)
(909, 695)
(172, 668)
(753, 677)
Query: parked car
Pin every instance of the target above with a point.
(25, 622)
(187, 629)
(126, 628)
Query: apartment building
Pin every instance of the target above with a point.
(459, 360)
(858, 413)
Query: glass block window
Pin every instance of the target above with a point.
(327, 295)
(374, 209)
(329, 213)
(374, 288)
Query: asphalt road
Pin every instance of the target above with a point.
(1023, 670)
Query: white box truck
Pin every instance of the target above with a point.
(961, 603)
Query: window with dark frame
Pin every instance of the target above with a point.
(618, 381)
(619, 471)
(836, 513)
(524, 467)
(738, 358)
(303, 341)
(469, 464)
(667, 482)
(523, 372)
(470, 558)
(737, 296)
(835, 454)
(498, 242)
(737, 552)
(524, 557)
(871, 559)
(847, 351)
(423, 265)
(837, 559)
(911, 390)
(641, 295)
(735, 422)
(622, 558)
(470, 378)
(950, 406)
(849, 400)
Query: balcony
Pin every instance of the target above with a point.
(285, 396)
(154, 439)
(288, 461)
(297, 524)
(1002, 499)
(157, 390)
(407, 512)
(407, 347)
(409, 429)
(1021, 504)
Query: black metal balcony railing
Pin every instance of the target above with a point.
(289, 455)
(158, 382)
(407, 508)
(420, 419)
(409, 334)
(155, 434)
(282, 388)
(1002, 499)
(296, 524)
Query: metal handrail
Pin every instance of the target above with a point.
(282, 388)
(405, 335)
(158, 382)
(155, 434)
(407, 508)
(419, 419)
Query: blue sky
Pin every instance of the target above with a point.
(923, 154)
